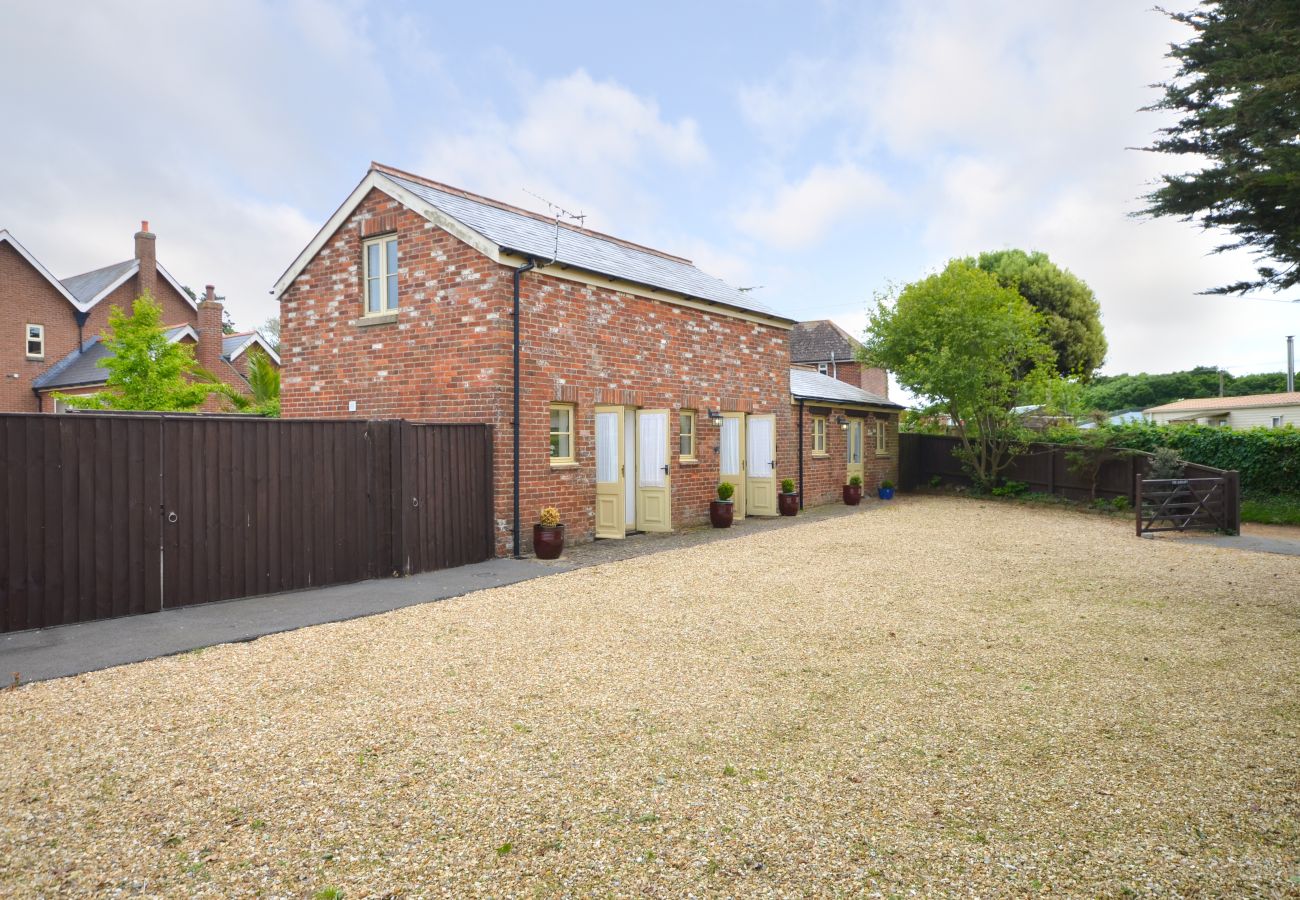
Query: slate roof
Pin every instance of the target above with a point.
(820, 341)
(1245, 402)
(806, 385)
(81, 367)
(527, 234)
(86, 286)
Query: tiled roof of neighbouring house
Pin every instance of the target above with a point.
(88, 285)
(528, 234)
(81, 368)
(821, 341)
(1245, 402)
(806, 385)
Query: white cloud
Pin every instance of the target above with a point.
(798, 214)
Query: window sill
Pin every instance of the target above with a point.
(688, 462)
(571, 464)
(371, 321)
(816, 455)
(880, 455)
(31, 358)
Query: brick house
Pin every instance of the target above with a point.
(828, 348)
(642, 382)
(53, 326)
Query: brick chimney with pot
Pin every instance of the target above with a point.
(210, 335)
(146, 252)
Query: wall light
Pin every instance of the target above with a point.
(715, 417)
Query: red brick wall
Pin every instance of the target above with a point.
(176, 309)
(26, 297)
(824, 476)
(447, 357)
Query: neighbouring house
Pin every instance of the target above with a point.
(52, 328)
(1250, 411)
(828, 348)
(642, 382)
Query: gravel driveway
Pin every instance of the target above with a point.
(948, 696)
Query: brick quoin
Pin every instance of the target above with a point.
(447, 358)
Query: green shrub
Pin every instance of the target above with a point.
(1268, 459)
(726, 490)
(936, 481)
(1277, 509)
(887, 484)
(1120, 504)
(1010, 489)
(855, 481)
(787, 485)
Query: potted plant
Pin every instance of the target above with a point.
(886, 491)
(787, 501)
(723, 509)
(853, 491)
(548, 535)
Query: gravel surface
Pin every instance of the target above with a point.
(945, 696)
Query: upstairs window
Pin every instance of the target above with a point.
(686, 438)
(35, 341)
(823, 368)
(381, 275)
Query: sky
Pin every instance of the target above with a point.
(821, 153)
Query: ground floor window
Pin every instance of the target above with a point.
(686, 436)
(819, 435)
(882, 436)
(561, 433)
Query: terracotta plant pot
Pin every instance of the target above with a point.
(885, 493)
(852, 494)
(721, 513)
(788, 504)
(548, 541)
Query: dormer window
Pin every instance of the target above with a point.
(380, 275)
(35, 341)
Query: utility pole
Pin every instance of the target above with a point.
(1290, 363)
(1220, 382)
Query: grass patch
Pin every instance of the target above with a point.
(1278, 509)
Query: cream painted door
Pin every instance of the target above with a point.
(654, 497)
(611, 520)
(731, 462)
(760, 458)
(854, 452)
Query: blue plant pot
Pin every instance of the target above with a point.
(885, 493)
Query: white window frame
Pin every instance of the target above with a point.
(1277, 421)
(27, 340)
(684, 416)
(823, 368)
(570, 410)
(387, 305)
(819, 436)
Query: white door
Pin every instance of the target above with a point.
(654, 506)
(760, 478)
(629, 467)
(853, 454)
(731, 462)
(611, 522)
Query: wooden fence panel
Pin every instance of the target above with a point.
(106, 515)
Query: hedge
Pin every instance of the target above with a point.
(1268, 459)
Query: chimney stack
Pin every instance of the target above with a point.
(147, 254)
(210, 334)
(876, 381)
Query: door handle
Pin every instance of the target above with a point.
(665, 468)
(772, 463)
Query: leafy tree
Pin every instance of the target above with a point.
(264, 381)
(972, 349)
(1237, 93)
(1118, 392)
(271, 330)
(1071, 313)
(145, 370)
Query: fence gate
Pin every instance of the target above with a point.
(1185, 504)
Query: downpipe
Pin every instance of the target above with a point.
(518, 274)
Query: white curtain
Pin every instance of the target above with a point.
(652, 434)
(730, 446)
(607, 447)
(760, 448)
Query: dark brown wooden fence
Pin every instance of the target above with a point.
(1045, 468)
(112, 515)
(1189, 504)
